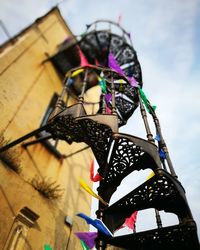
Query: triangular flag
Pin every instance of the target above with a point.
(108, 110)
(133, 82)
(108, 97)
(84, 246)
(70, 81)
(47, 247)
(77, 72)
(113, 64)
(150, 176)
(162, 154)
(98, 224)
(130, 222)
(95, 178)
(88, 26)
(83, 59)
(102, 84)
(129, 35)
(145, 101)
(87, 237)
(119, 19)
(89, 190)
(157, 138)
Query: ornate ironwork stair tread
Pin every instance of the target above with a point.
(176, 237)
(97, 136)
(127, 155)
(162, 192)
(105, 119)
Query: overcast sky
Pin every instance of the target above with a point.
(166, 36)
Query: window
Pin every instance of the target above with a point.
(50, 144)
(18, 233)
(66, 58)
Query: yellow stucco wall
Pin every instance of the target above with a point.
(26, 87)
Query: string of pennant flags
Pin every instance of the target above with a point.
(113, 64)
(87, 239)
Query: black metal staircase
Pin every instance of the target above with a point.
(127, 152)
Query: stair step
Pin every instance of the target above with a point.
(162, 192)
(176, 237)
(128, 154)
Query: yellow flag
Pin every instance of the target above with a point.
(89, 190)
(150, 188)
(150, 176)
(77, 72)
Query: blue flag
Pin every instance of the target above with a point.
(157, 138)
(98, 224)
(162, 154)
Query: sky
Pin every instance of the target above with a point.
(166, 36)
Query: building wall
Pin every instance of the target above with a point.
(27, 84)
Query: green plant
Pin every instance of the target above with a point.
(47, 187)
(10, 157)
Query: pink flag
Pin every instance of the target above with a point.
(93, 178)
(108, 110)
(133, 82)
(130, 221)
(119, 19)
(84, 61)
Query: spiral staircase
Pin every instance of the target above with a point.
(120, 154)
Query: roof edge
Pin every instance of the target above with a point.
(14, 39)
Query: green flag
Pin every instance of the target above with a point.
(102, 84)
(145, 100)
(47, 247)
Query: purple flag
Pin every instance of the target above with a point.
(108, 98)
(113, 64)
(87, 237)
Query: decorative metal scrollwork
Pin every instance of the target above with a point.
(162, 192)
(173, 237)
(98, 137)
(126, 157)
